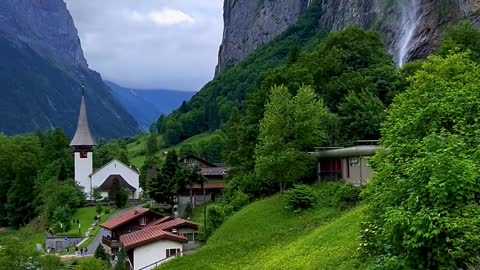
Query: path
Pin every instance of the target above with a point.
(98, 239)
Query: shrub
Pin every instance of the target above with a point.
(215, 218)
(347, 195)
(239, 200)
(99, 209)
(107, 211)
(301, 197)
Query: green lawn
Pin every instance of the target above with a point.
(265, 235)
(85, 216)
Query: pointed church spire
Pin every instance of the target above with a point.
(83, 136)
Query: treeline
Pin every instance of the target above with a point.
(36, 179)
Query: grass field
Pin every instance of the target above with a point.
(85, 216)
(265, 235)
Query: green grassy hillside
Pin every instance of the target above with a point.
(136, 150)
(265, 235)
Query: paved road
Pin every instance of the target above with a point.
(98, 239)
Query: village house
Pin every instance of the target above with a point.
(348, 164)
(149, 237)
(131, 221)
(214, 187)
(150, 247)
(83, 145)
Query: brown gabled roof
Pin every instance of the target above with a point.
(147, 236)
(107, 184)
(83, 136)
(177, 223)
(127, 217)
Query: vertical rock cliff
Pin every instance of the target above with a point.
(411, 29)
(250, 24)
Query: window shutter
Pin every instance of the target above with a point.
(168, 253)
(178, 252)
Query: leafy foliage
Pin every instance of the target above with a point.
(101, 254)
(423, 200)
(93, 264)
(300, 197)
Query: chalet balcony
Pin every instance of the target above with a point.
(113, 244)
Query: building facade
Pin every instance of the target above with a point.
(83, 144)
(348, 164)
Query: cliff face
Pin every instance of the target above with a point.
(46, 26)
(411, 29)
(250, 24)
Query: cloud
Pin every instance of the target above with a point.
(170, 17)
(170, 44)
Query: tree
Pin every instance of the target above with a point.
(361, 114)
(164, 187)
(101, 254)
(152, 144)
(118, 195)
(423, 203)
(151, 162)
(122, 263)
(461, 38)
(290, 126)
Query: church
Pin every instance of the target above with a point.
(83, 145)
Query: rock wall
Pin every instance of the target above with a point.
(250, 24)
(46, 26)
(411, 29)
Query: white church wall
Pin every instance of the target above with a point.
(117, 168)
(83, 170)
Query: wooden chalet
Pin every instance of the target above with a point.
(131, 221)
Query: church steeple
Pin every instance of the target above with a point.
(83, 137)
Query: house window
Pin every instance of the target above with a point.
(143, 221)
(190, 237)
(173, 252)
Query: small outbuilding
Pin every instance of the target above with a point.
(349, 164)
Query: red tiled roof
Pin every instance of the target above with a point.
(176, 223)
(128, 216)
(147, 236)
(158, 221)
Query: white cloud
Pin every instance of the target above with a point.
(169, 16)
(140, 44)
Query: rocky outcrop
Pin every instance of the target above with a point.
(250, 24)
(411, 29)
(46, 26)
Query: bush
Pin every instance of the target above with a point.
(215, 218)
(301, 197)
(99, 209)
(239, 200)
(107, 211)
(347, 195)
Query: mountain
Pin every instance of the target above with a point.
(42, 73)
(243, 69)
(147, 105)
(411, 29)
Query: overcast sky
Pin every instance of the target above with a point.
(169, 44)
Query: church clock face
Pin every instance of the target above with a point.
(83, 155)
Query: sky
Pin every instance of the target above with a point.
(151, 44)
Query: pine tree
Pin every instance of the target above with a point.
(164, 188)
(101, 254)
(122, 263)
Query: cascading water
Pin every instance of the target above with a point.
(410, 18)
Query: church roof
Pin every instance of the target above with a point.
(83, 136)
(107, 185)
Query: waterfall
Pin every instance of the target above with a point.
(410, 18)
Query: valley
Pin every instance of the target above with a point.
(333, 135)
